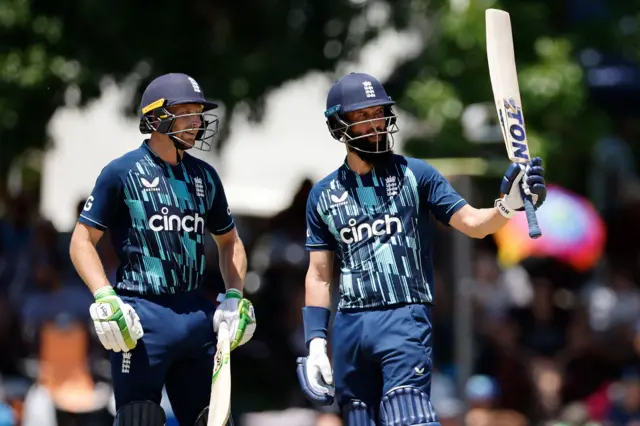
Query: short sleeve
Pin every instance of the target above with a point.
(101, 208)
(219, 219)
(318, 235)
(442, 199)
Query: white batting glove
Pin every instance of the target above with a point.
(116, 323)
(237, 312)
(319, 373)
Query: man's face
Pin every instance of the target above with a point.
(369, 121)
(372, 149)
(187, 128)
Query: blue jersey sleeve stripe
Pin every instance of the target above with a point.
(456, 206)
(223, 230)
(90, 222)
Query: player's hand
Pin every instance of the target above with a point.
(315, 375)
(238, 313)
(117, 324)
(522, 178)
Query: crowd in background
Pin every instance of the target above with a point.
(551, 346)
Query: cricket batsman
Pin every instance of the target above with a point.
(157, 202)
(376, 213)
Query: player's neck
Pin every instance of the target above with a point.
(357, 164)
(165, 149)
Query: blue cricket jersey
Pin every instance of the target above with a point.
(157, 215)
(380, 225)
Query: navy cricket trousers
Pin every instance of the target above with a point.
(176, 351)
(375, 351)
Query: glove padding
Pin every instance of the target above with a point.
(315, 375)
(238, 314)
(522, 179)
(116, 323)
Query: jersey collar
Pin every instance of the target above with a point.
(373, 171)
(145, 146)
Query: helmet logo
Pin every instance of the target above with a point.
(368, 89)
(194, 83)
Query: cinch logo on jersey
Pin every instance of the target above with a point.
(166, 222)
(378, 227)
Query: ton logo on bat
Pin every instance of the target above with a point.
(515, 124)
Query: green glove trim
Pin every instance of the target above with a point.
(104, 292)
(233, 293)
(108, 295)
(244, 318)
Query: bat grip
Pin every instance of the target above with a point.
(532, 220)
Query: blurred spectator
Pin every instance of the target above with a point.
(12, 348)
(543, 324)
(492, 297)
(445, 399)
(283, 242)
(614, 178)
(15, 238)
(509, 365)
(551, 343)
(614, 301)
(7, 417)
(15, 229)
(588, 370)
(482, 394)
(47, 296)
(626, 400)
(574, 414)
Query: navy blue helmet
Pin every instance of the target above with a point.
(177, 89)
(354, 92)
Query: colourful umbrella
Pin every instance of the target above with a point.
(572, 232)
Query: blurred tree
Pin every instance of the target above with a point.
(550, 38)
(236, 50)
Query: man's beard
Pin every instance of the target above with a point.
(363, 149)
(181, 143)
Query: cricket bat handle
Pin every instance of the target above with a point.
(532, 220)
(223, 333)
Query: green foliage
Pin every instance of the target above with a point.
(239, 50)
(453, 73)
(236, 50)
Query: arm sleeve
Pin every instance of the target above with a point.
(318, 235)
(442, 199)
(219, 219)
(101, 208)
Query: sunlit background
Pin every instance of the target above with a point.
(526, 332)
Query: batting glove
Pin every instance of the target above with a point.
(237, 312)
(527, 179)
(116, 323)
(315, 375)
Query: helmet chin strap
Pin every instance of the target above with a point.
(179, 143)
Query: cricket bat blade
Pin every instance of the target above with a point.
(506, 94)
(220, 400)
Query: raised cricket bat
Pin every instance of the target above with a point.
(220, 401)
(506, 92)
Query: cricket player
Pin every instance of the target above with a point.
(158, 202)
(376, 213)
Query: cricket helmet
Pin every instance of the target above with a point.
(358, 91)
(177, 89)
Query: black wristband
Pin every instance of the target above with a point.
(316, 322)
